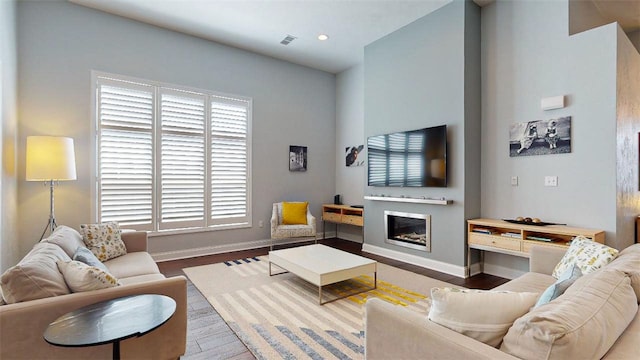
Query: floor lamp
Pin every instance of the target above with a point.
(50, 159)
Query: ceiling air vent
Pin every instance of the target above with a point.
(288, 39)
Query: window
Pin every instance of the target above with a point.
(170, 157)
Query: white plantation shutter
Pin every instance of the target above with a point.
(171, 158)
(125, 163)
(229, 161)
(182, 187)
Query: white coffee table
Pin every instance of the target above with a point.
(323, 265)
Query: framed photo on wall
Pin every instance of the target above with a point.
(297, 158)
(540, 137)
(354, 155)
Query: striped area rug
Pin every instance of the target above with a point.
(279, 316)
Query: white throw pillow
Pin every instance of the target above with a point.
(104, 240)
(588, 255)
(483, 315)
(82, 277)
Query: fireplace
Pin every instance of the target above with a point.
(408, 230)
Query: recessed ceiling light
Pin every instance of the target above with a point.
(323, 37)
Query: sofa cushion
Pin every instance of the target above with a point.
(132, 264)
(36, 276)
(528, 282)
(458, 310)
(85, 256)
(559, 287)
(628, 261)
(81, 277)
(626, 346)
(566, 328)
(104, 240)
(67, 238)
(588, 255)
(140, 278)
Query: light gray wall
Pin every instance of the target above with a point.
(628, 136)
(60, 43)
(416, 78)
(350, 132)
(9, 240)
(523, 62)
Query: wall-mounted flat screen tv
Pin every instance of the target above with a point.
(415, 158)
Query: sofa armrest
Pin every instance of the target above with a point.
(22, 325)
(543, 259)
(393, 332)
(135, 240)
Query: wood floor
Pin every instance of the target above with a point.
(209, 337)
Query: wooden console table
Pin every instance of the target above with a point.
(517, 239)
(341, 214)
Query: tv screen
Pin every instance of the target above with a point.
(409, 158)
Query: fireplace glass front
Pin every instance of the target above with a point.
(408, 230)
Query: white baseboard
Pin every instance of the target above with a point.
(209, 250)
(474, 269)
(440, 266)
(502, 271)
(220, 249)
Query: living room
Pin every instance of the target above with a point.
(477, 70)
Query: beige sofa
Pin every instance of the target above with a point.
(392, 332)
(22, 324)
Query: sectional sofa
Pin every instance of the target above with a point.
(596, 317)
(37, 278)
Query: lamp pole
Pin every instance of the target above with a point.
(51, 225)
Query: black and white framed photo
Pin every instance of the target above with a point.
(540, 137)
(297, 158)
(354, 156)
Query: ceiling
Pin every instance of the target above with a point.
(260, 25)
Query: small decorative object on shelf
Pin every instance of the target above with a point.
(529, 221)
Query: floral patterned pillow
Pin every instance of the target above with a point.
(104, 240)
(587, 255)
(82, 277)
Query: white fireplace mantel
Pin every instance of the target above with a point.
(422, 200)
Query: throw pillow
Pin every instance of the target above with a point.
(294, 213)
(482, 315)
(581, 324)
(588, 255)
(559, 287)
(85, 256)
(104, 240)
(65, 237)
(36, 276)
(82, 277)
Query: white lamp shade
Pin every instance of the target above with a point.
(50, 158)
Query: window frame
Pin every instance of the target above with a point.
(156, 227)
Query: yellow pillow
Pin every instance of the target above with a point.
(294, 213)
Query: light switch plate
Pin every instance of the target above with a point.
(514, 181)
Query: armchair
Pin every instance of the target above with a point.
(298, 232)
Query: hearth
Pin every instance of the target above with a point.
(408, 230)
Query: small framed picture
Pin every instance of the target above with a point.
(354, 155)
(297, 158)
